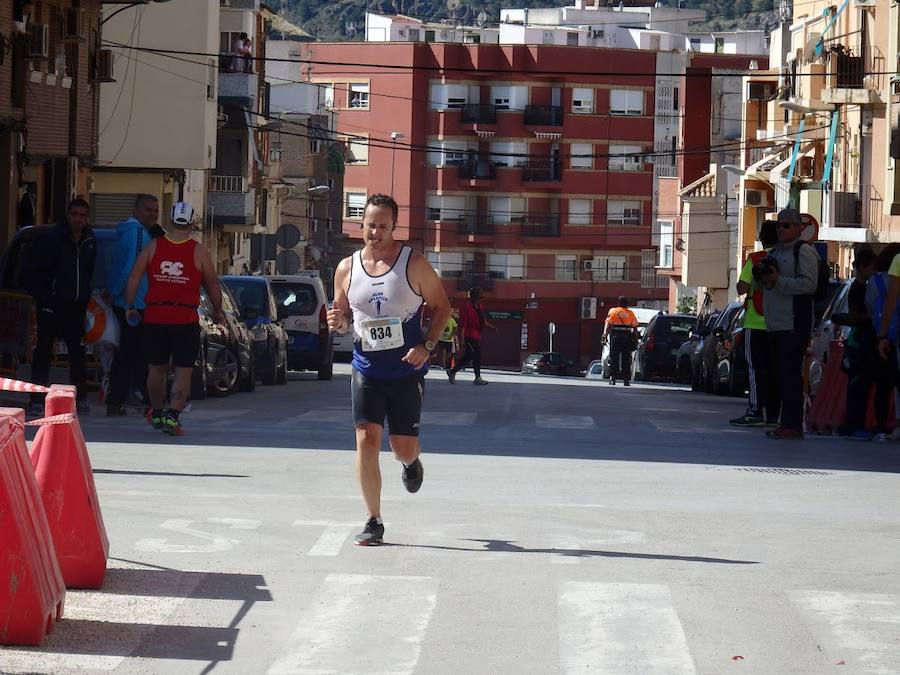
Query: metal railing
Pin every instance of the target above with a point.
(544, 115)
(478, 113)
(541, 226)
(475, 224)
(545, 170)
(480, 277)
(227, 183)
(847, 70)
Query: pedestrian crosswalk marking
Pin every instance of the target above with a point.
(322, 415)
(452, 419)
(621, 629)
(565, 421)
(337, 633)
(861, 625)
(684, 427)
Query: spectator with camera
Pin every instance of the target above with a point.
(790, 277)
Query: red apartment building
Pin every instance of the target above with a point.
(516, 169)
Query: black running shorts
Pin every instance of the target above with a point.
(398, 400)
(178, 344)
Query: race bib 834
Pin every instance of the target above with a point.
(381, 334)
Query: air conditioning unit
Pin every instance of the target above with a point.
(38, 41)
(809, 50)
(588, 308)
(758, 198)
(74, 25)
(590, 265)
(103, 69)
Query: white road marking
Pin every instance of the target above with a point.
(361, 623)
(326, 415)
(450, 419)
(621, 629)
(565, 421)
(860, 625)
(216, 542)
(685, 427)
(331, 541)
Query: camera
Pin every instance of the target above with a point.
(764, 267)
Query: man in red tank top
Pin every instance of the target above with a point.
(176, 266)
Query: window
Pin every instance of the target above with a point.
(609, 268)
(448, 264)
(359, 149)
(506, 265)
(625, 158)
(359, 95)
(581, 155)
(572, 39)
(507, 209)
(623, 213)
(666, 242)
(582, 100)
(580, 211)
(695, 44)
(509, 153)
(414, 34)
(211, 78)
(355, 204)
(448, 153)
(328, 95)
(451, 96)
(446, 207)
(508, 97)
(626, 102)
(720, 45)
(566, 268)
(547, 37)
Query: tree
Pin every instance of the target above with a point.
(686, 305)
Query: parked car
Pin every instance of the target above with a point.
(655, 355)
(687, 357)
(343, 344)
(225, 360)
(732, 372)
(301, 304)
(595, 370)
(824, 332)
(707, 363)
(549, 363)
(256, 301)
(643, 316)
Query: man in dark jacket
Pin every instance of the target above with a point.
(60, 268)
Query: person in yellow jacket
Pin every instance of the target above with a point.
(621, 331)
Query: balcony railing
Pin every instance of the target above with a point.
(478, 168)
(478, 113)
(479, 277)
(544, 115)
(546, 170)
(227, 183)
(541, 226)
(848, 71)
(475, 224)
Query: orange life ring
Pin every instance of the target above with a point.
(94, 322)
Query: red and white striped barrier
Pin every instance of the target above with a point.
(7, 384)
(64, 418)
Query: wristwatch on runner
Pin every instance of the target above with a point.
(429, 345)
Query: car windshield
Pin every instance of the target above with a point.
(294, 298)
(596, 368)
(534, 358)
(674, 328)
(249, 295)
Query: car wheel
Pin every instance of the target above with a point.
(199, 377)
(282, 377)
(270, 374)
(225, 374)
(249, 382)
(326, 370)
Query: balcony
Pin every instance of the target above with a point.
(238, 89)
(542, 171)
(475, 224)
(541, 226)
(231, 201)
(478, 113)
(850, 78)
(478, 168)
(474, 277)
(544, 115)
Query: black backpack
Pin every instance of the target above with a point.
(824, 274)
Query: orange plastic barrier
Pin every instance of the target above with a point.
(32, 592)
(64, 475)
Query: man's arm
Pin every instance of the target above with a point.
(123, 258)
(338, 316)
(140, 267)
(422, 274)
(745, 281)
(210, 281)
(890, 305)
(807, 277)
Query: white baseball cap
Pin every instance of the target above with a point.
(182, 213)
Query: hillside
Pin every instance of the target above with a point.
(335, 19)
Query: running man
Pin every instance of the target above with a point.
(176, 266)
(382, 288)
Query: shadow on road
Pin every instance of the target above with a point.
(124, 472)
(505, 546)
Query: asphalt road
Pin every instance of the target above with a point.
(564, 526)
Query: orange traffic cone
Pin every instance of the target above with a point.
(32, 591)
(66, 481)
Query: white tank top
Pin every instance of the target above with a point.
(388, 296)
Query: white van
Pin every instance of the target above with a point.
(303, 307)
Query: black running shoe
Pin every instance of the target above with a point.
(413, 475)
(372, 534)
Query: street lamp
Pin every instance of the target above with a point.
(801, 109)
(394, 136)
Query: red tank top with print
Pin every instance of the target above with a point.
(173, 289)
